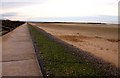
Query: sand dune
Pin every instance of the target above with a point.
(98, 39)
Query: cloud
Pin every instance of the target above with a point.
(7, 4)
(28, 9)
(23, 0)
(9, 14)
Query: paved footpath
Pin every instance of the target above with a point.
(18, 55)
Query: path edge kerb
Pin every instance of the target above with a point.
(110, 69)
(36, 50)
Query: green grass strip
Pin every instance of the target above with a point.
(58, 61)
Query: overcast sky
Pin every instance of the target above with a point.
(60, 10)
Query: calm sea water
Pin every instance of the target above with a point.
(94, 19)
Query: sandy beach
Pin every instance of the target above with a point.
(99, 39)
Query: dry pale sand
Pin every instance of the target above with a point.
(98, 39)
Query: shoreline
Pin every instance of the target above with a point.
(78, 23)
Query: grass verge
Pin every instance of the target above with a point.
(57, 61)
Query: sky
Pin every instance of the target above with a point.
(60, 10)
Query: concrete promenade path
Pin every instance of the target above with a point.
(18, 55)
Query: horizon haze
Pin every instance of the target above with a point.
(103, 11)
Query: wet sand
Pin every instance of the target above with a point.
(98, 39)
